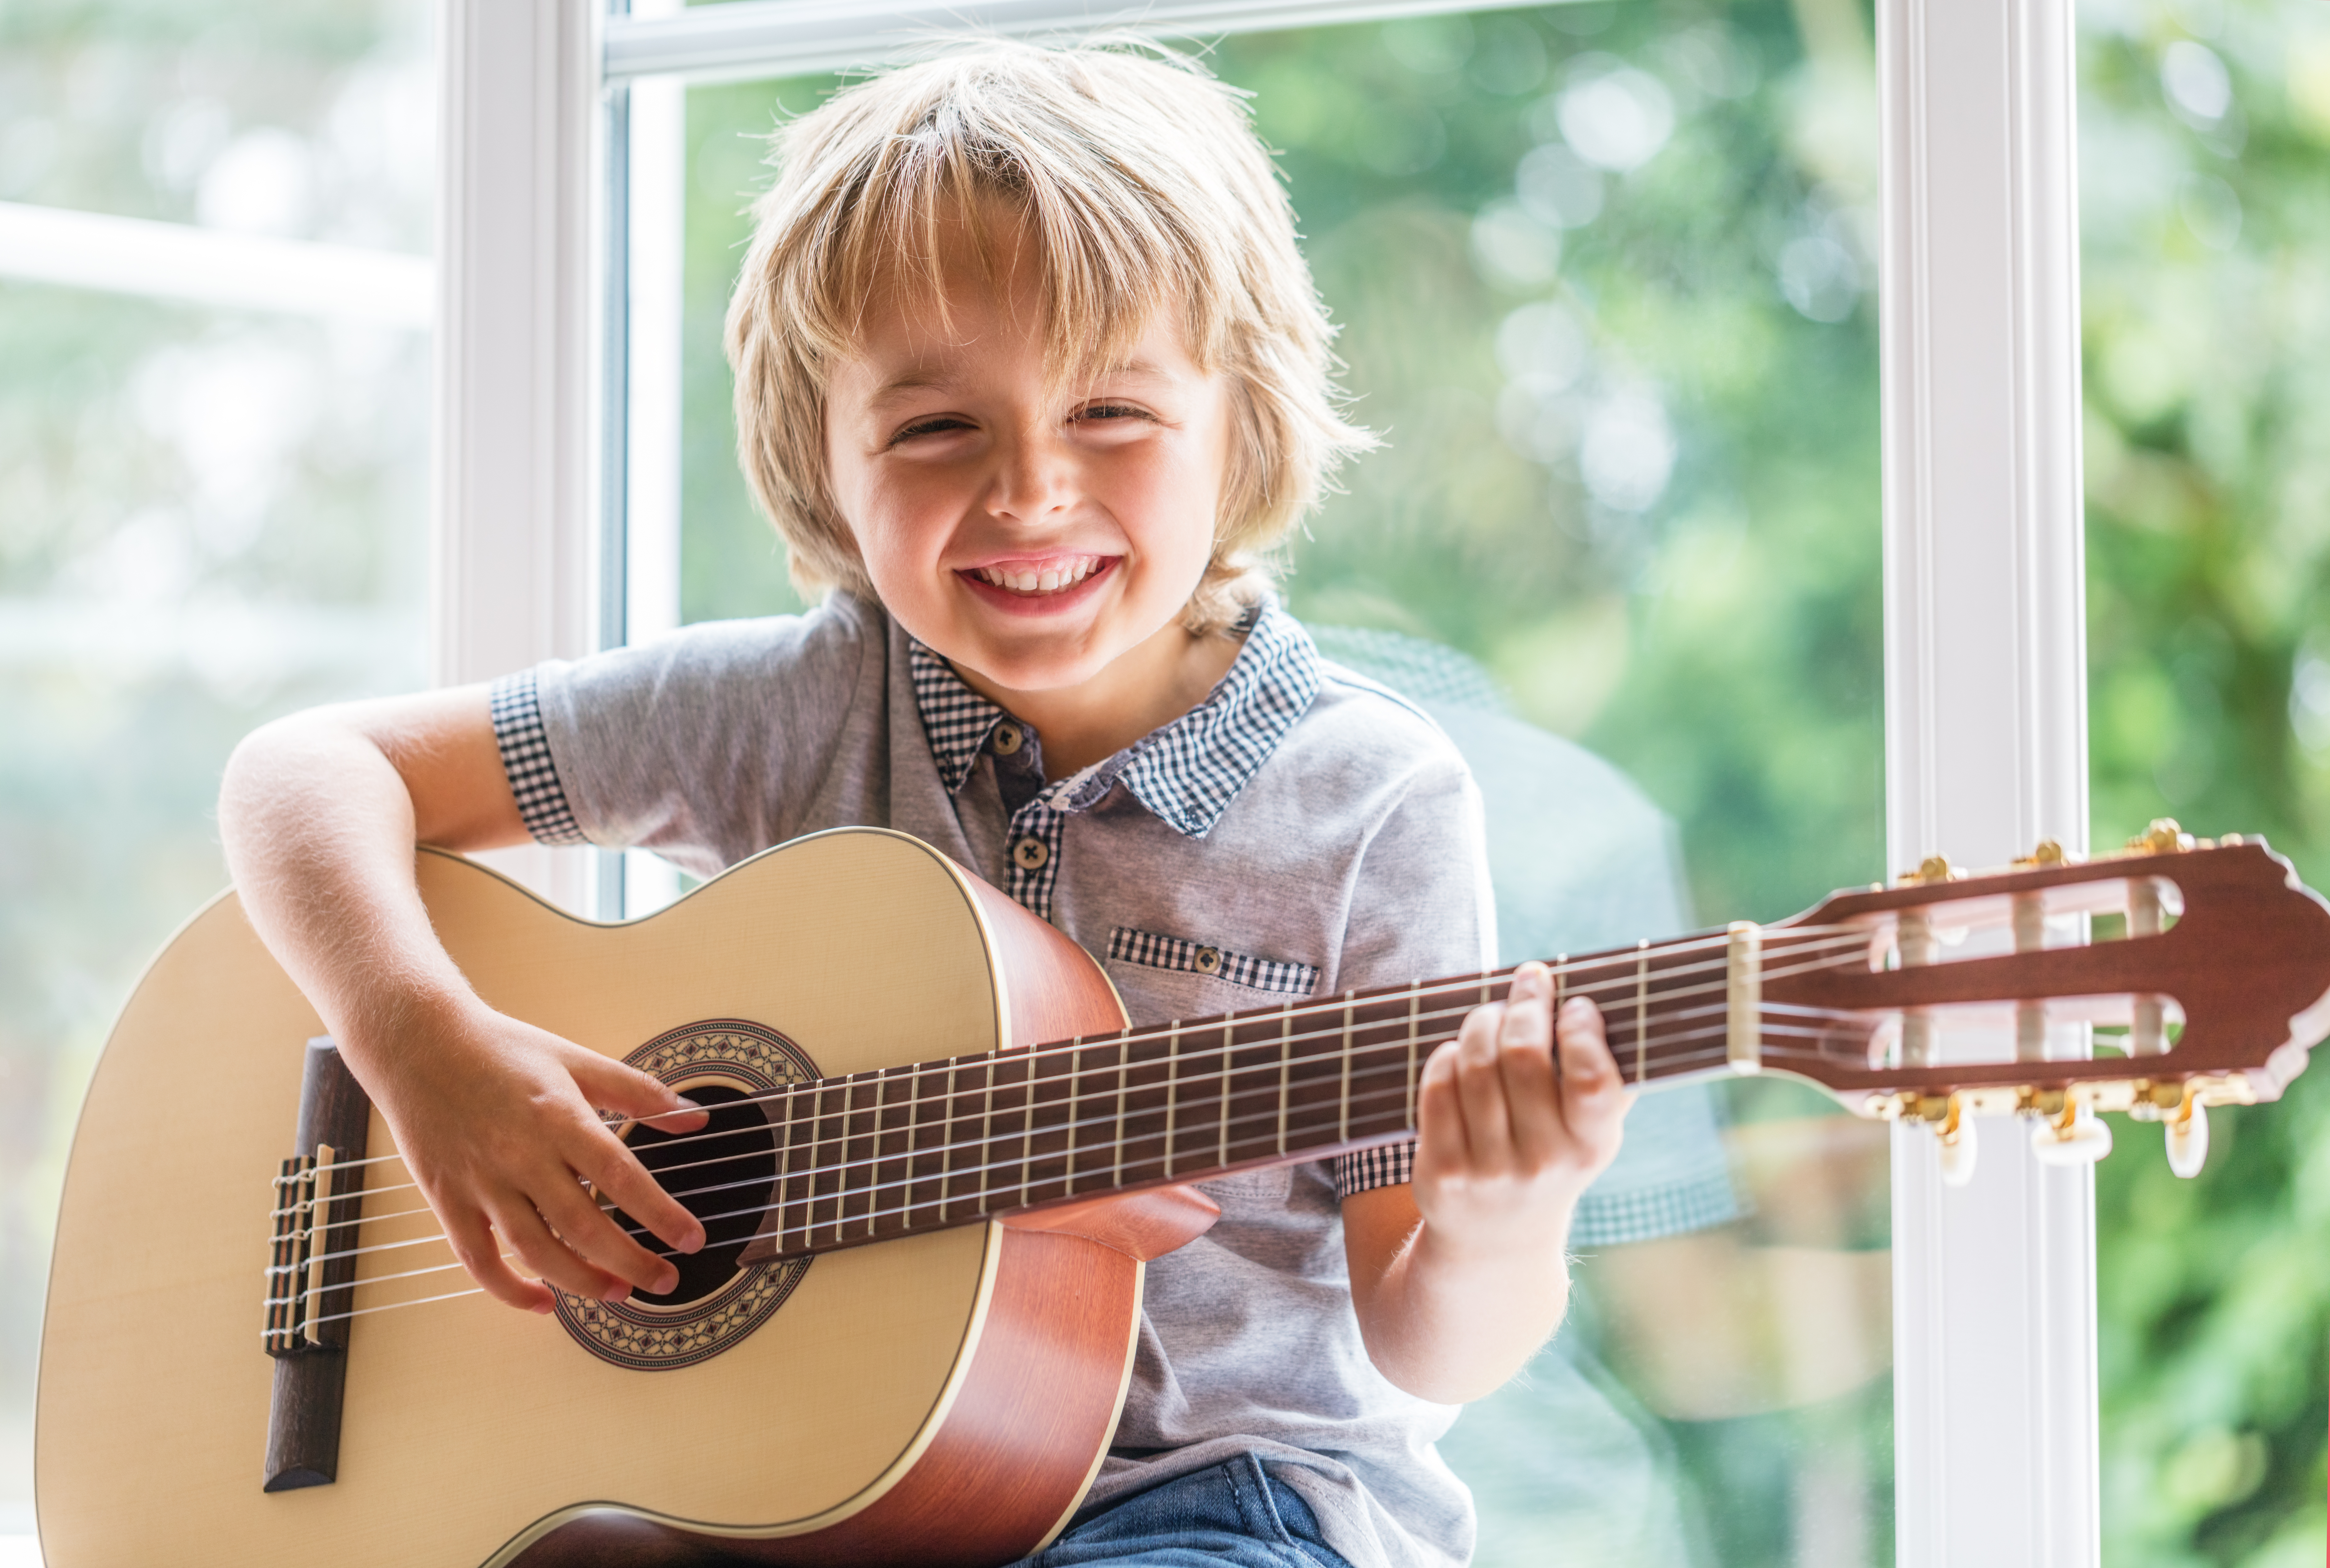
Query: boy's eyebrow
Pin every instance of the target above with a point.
(912, 381)
(933, 380)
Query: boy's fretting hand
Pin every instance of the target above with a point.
(1505, 1147)
(1460, 1277)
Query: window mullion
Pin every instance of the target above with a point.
(1995, 1429)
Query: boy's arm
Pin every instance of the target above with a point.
(1459, 1276)
(320, 813)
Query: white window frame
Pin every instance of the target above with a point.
(1996, 1429)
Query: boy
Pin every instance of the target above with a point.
(1028, 369)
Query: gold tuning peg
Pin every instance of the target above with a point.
(2164, 837)
(1932, 869)
(2048, 853)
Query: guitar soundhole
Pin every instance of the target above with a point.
(721, 1174)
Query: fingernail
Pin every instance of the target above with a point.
(617, 1291)
(687, 1104)
(667, 1282)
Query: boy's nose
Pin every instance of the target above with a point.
(1035, 481)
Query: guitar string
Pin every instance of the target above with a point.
(916, 1101)
(1052, 1052)
(1668, 1062)
(868, 1219)
(1797, 938)
(1050, 1131)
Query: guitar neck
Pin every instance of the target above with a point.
(940, 1143)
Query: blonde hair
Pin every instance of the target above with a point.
(1141, 185)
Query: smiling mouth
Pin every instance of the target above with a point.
(1033, 580)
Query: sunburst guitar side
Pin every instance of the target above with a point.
(892, 1387)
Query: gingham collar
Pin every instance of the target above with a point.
(1187, 772)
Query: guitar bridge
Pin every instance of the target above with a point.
(311, 1271)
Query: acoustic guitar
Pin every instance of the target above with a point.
(937, 1161)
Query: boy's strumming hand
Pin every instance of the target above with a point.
(495, 1121)
(1459, 1276)
(1505, 1144)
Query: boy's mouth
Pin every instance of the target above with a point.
(1035, 579)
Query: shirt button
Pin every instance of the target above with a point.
(1209, 959)
(1006, 739)
(1030, 854)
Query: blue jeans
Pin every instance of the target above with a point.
(1236, 1515)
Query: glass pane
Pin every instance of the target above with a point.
(2205, 130)
(207, 519)
(1606, 278)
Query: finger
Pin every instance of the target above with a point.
(1480, 1087)
(624, 1089)
(475, 1246)
(619, 1177)
(1525, 1062)
(1439, 1114)
(1593, 1093)
(550, 1258)
(590, 1231)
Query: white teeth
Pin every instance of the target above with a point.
(1051, 580)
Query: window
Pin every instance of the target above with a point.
(2204, 144)
(215, 389)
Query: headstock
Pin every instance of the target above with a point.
(2158, 980)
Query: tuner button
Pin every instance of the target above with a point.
(2188, 1142)
(1958, 1150)
(2086, 1141)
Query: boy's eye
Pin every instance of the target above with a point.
(1111, 411)
(935, 425)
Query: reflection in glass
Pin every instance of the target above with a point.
(1605, 278)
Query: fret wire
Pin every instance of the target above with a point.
(1222, 1147)
(946, 1148)
(986, 1133)
(1414, 1000)
(1027, 1135)
(1642, 1005)
(1075, 1075)
(1123, 1073)
(1285, 1065)
(1172, 1071)
(784, 1178)
(1343, 1114)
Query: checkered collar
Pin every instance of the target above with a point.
(1187, 772)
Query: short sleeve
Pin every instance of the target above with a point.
(1385, 1166)
(706, 746)
(525, 758)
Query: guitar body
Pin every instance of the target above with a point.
(937, 1399)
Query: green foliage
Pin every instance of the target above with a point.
(2207, 295)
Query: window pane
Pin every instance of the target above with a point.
(207, 519)
(1605, 278)
(2205, 130)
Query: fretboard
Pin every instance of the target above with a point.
(939, 1143)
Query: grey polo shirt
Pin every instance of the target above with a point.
(1300, 832)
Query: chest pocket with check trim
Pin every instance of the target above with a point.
(1153, 950)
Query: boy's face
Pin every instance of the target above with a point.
(1032, 536)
